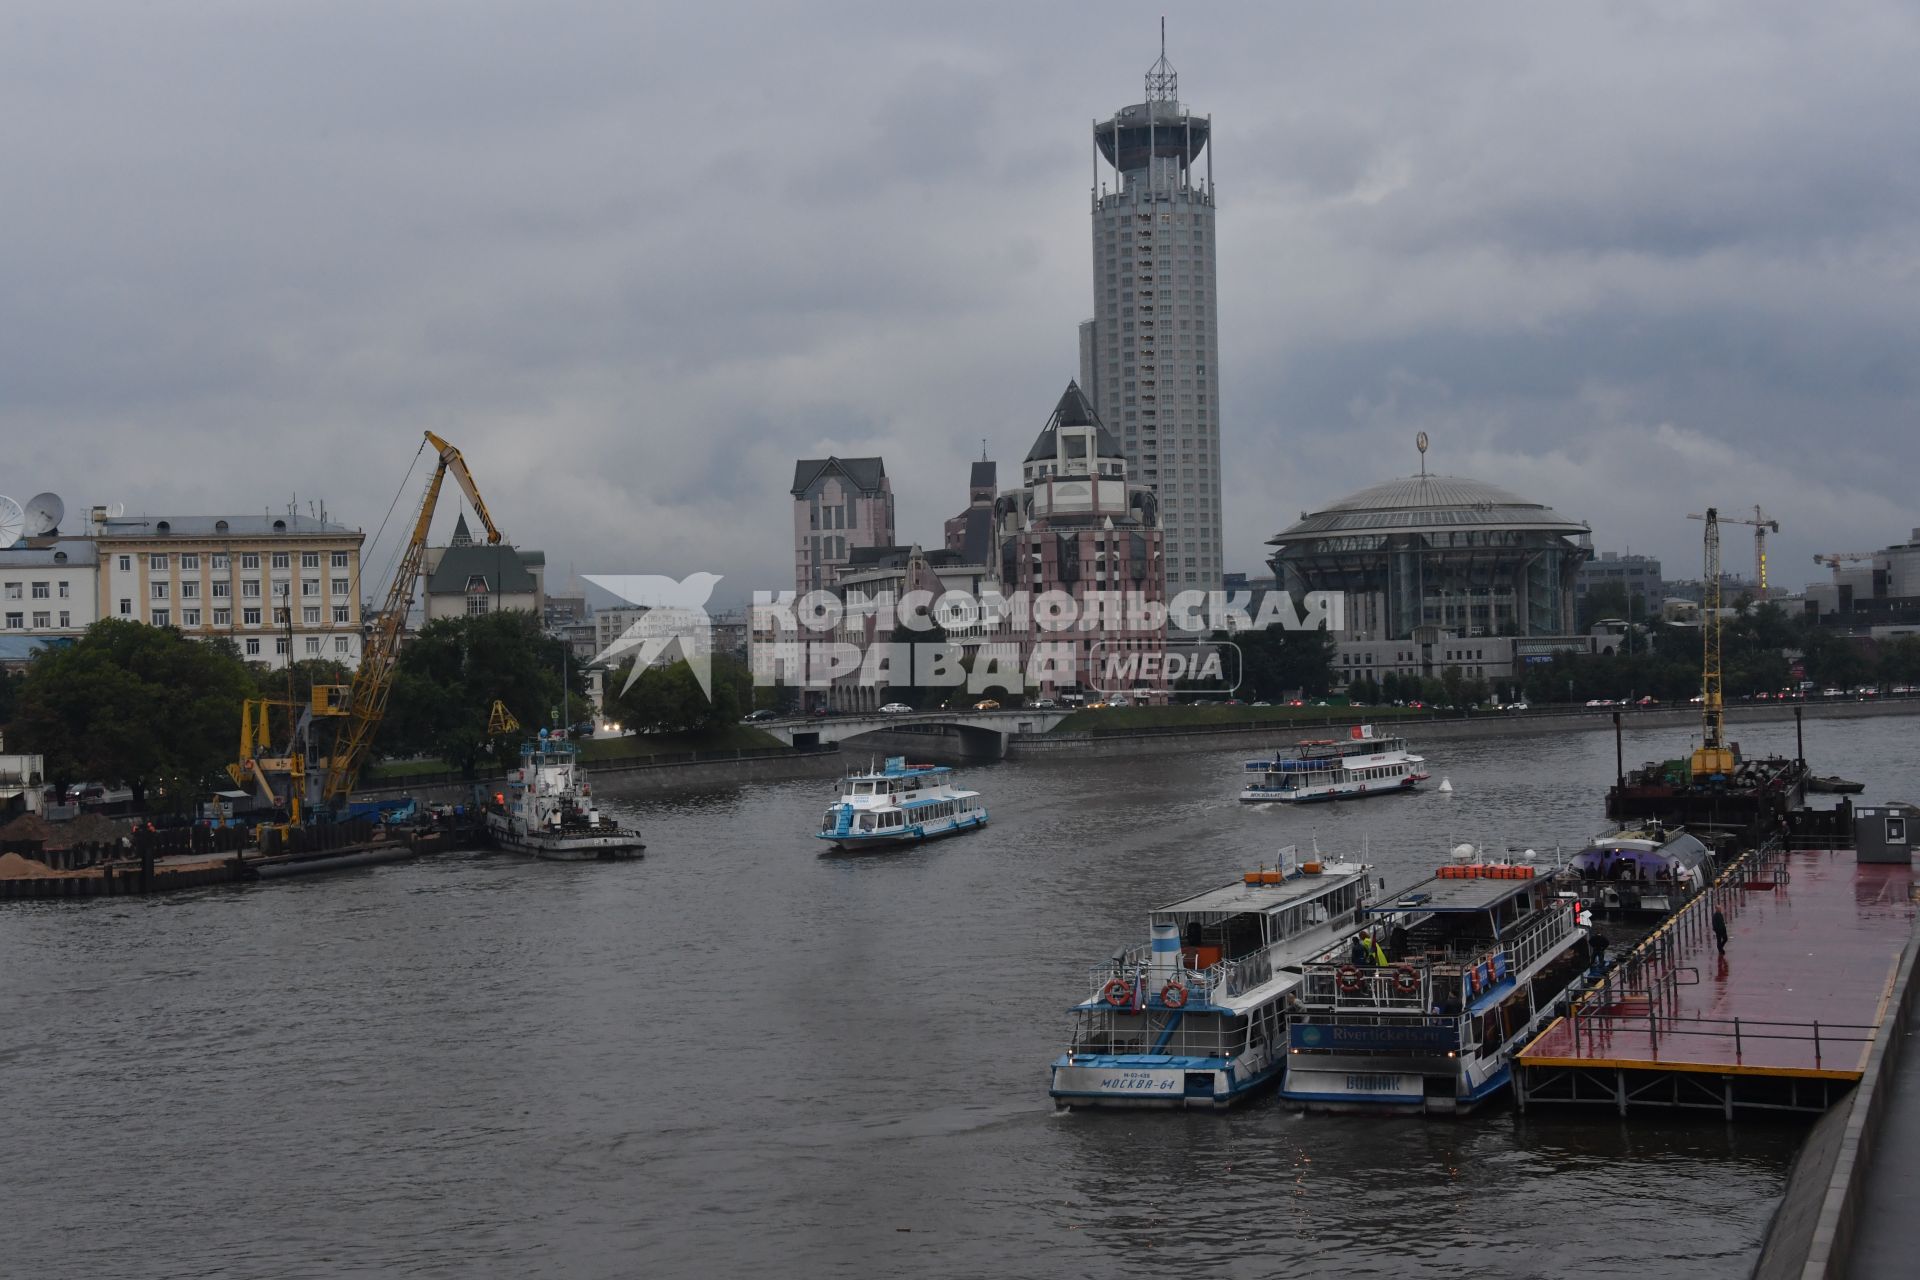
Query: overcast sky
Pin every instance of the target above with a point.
(1625, 259)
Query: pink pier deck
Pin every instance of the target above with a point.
(1783, 1020)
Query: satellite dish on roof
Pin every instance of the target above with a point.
(44, 513)
(12, 520)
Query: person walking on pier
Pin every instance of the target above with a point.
(1720, 930)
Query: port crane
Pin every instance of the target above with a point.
(366, 701)
(1713, 758)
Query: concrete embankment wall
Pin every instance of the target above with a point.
(1811, 1236)
(631, 778)
(1493, 724)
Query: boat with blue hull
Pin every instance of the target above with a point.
(1323, 769)
(901, 803)
(1423, 1012)
(1197, 1016)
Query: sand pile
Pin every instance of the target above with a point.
(27, 828)
(15, 867)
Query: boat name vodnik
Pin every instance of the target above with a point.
(1423, 1009)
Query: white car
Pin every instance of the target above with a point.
(895, 709)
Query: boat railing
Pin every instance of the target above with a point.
(1542, 937)
(1404, 985)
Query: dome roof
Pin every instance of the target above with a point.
(1428, 504)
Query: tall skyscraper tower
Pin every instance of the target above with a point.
(1150, 357)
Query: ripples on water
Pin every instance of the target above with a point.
(741, 1055)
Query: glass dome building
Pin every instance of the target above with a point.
(1450, 555)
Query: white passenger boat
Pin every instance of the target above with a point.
(1197, 1016)
(1349, 768)
(901, 803)
(1475, 958)
(547, 809)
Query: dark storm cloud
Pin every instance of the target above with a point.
(1628, 260)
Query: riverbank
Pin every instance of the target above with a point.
(1495, 724)
(652, 774)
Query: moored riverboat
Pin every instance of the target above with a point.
(1196, 1016)
(1422, 1014)
(1642, 873)
(547, 809)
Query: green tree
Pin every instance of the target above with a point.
(136, 706)
(1274, 662)
(668, 699)
(449, 675)
(1606, 600)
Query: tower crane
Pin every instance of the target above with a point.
(1713, 758)
(1834, 559)
(1763, 524)
(373, 682)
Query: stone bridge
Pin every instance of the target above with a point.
(977, 735)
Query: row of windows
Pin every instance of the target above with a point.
(340, 645)
(311, 615)
(190, 560)
(41, 590)
(42, 620)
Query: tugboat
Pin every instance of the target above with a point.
(1197, 1016)
(1422, 1012)
(547, 810)
(901, 803)
(1350, 768)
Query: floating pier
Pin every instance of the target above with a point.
(1784, 1020)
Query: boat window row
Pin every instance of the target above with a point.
(1377, 771)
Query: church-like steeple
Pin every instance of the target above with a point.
(461, 536)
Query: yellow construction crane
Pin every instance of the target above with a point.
(255, 764)
(1834, 559)
(373, 682)
(1763, 524)
(1713, 758)
(501, 721)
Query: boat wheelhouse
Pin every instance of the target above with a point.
(1196, 1016)
(548, 810)
(1639, 872)
(1349, 768)
(1423, 1010)
(901, 803)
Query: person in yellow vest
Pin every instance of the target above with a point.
(1371, 945)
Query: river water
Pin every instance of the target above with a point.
(741, 1056)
